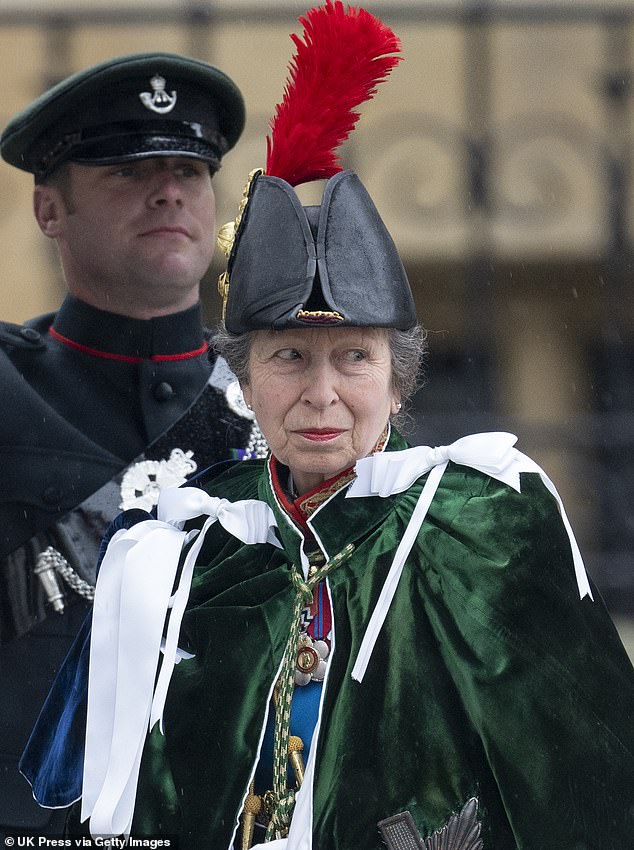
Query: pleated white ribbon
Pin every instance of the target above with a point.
(132, 599)
(393, 472)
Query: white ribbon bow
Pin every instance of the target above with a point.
(132, 598)
(393, 472)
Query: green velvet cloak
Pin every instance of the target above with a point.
(490, 677)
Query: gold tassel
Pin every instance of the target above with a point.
(252, 806)
(295, 747)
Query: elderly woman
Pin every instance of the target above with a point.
(367, 644)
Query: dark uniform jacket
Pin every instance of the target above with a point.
(84, 393)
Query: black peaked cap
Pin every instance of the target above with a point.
(129, 107)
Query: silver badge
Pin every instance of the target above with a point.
(143, 481)
(461, 832)
(159, 100)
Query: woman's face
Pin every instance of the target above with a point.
(322, 397)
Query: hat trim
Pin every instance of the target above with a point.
(319, 317)
(179, 131)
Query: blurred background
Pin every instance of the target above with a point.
(500, 156)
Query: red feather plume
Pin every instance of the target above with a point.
(343, 56)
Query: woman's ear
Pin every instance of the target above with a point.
(396, 405)
(48, 208)
(248, 396)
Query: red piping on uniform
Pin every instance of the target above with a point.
(107, 355)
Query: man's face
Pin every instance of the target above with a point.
(142, 229)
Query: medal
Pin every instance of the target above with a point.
(311, 660)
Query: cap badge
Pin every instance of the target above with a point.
(159, 100)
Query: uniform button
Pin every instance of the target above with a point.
(163, 391)
(30, 334)
(52, 495)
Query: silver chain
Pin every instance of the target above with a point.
(52, 559)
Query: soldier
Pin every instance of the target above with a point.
(116, 394)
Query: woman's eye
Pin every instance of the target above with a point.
(355, 355)
(288, 354)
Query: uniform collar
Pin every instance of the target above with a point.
(102, 334)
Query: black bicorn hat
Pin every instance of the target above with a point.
(334, 264)
(129, 107)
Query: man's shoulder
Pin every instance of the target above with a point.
(29, 337)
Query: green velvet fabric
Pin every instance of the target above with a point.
(489, 678)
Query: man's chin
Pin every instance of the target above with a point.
(178, 264)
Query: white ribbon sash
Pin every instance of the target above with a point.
(393, 472)
(132, 599)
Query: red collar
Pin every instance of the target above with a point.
(111, 336)
(125, 358)
(301, 508)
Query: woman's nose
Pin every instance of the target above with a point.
(321, 386)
